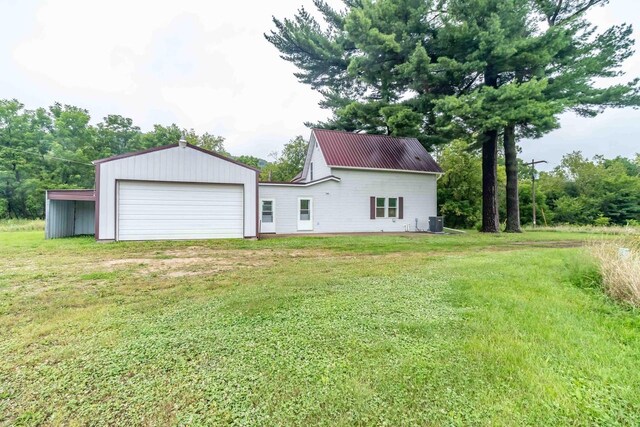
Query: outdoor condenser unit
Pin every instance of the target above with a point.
(436, 224)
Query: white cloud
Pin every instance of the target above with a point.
(201, 64)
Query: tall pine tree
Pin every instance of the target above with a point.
(439, 69)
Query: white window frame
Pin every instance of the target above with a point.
(384, 207)
(396, 207)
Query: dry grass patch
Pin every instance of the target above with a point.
(619, 263)
(199, 261)
(617, 230)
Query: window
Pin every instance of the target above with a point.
(392, 212)
(267, 211)
(311, 170)
(305, 211)
(386, 207)
(380, 207)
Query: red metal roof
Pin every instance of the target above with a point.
(86, 195)
(359, 150)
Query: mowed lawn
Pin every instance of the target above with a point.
(368, 330)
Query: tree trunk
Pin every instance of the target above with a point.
(511, 165)
(490, 215)
(490, 218)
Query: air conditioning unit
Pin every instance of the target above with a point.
(436, 224)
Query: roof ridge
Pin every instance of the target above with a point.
(366, 134)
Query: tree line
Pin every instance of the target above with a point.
(52, 148)
(581, 191)
(488, 72)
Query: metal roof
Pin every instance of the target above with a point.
(165, 147)
(78, 195)
(367, 151)
(301, 184)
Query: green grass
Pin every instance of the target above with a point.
(372, 330)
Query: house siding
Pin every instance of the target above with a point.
(174, 164)
(345, 206)
(320, 168)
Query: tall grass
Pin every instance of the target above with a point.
(619, 262)
(21, 225)
(623, 230)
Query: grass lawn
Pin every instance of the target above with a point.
(369, 330)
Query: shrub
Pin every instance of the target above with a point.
(602, 221)
(619, 262)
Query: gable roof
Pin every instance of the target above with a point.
(367, 151)
(165, 147)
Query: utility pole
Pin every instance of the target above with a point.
(533, 185)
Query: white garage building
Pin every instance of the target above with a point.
(176, 192)
(349, 183)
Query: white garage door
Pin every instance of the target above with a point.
(165, 211)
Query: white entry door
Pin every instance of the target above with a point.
(173, 210)
(267, 216)
(305, 214)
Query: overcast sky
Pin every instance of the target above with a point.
(206, 65)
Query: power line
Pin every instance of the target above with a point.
(47, 155)
(68, 160)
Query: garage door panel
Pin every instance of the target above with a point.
(162, 211)
(168, 211)
(176, 195)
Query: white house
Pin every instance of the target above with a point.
(354, 183)
(350, 183)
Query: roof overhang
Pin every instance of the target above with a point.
(73, 195)
(386, 170)
(301, 184)
(166, 147)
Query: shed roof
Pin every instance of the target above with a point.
(69, 194)
(367, 151)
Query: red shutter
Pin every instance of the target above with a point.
(400, 207)
(372, 207)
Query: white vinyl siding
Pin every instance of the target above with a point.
(164, 211)
(315, 157)
(345, 206)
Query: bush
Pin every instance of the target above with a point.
(619, 263)
(602, 221)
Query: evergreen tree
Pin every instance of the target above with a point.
(570, 56)
(392, 66)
